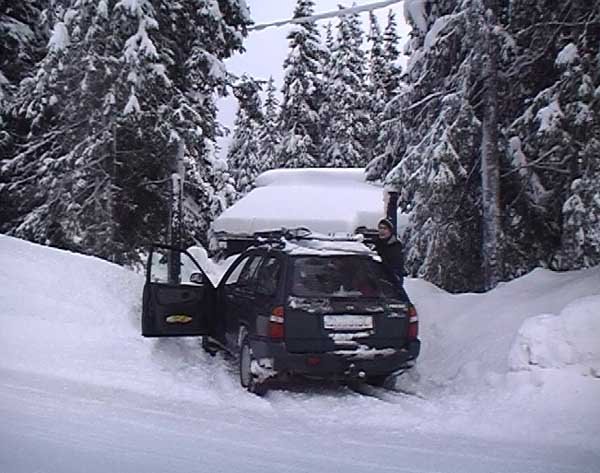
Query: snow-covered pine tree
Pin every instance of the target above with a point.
(348, 133)
(433, 147)
(377, 97)
(123, 97)
(391, 72)
(299, 121)
(377, 60)
(548, 81)
(64, 175)
(551, 119)
(580, 245)
(326, 105)
(244, 155)
(197, 37)
(24, 35)
(17, 49)
(268, 135)
(386, 83)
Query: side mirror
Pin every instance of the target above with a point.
(197, 278)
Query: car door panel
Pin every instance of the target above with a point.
(172, 305)
(236, 294)
(267, 294)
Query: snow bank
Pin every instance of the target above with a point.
(570, 339)
(469, 339)
(78, 318)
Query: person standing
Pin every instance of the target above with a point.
(390, 250)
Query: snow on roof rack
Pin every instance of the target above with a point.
(302, 241)
(302, 233)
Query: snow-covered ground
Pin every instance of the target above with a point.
(509, 381)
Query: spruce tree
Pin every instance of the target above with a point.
(327, 104)
(384, 86)
(580, 243)
(197, 37)
(268, 135)
(391, 72)
(121, 105)
(546, 123)
(24, 34)
(302, 91)
(244, 155)
(376, 87)
(346, 143)
(551, 118)
(432, 150)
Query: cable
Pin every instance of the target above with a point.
(322, 16)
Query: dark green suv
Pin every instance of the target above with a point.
(312, 307)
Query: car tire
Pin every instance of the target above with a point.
(379, 381)
(209, 347)
(247, 379)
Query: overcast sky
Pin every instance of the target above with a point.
(267, 49)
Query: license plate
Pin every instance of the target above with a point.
(348, 322)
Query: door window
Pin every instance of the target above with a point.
(235, 274)
(268, 276)
(248, 274)
(244, 272)
(169, 266)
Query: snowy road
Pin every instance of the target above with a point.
(52, 425)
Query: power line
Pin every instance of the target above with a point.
(322, 16)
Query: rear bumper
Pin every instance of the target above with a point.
(336, 365)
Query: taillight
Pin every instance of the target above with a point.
(276, 322)
(413, 323)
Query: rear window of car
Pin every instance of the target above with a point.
(340, 276)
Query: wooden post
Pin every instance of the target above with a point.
(175, 233)
(391, 209)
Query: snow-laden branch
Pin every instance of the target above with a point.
(428, 98)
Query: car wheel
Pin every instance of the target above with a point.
(247, 379)
(209, 347)
(378, 380)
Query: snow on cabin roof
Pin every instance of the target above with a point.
(313, 177)
(323, 200)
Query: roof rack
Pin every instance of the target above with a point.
(301, 233)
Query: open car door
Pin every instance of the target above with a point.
(179, 298)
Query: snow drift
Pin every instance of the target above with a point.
(570, 339)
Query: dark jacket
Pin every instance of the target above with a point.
(392, 256)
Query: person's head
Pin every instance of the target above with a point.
(385, 229)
